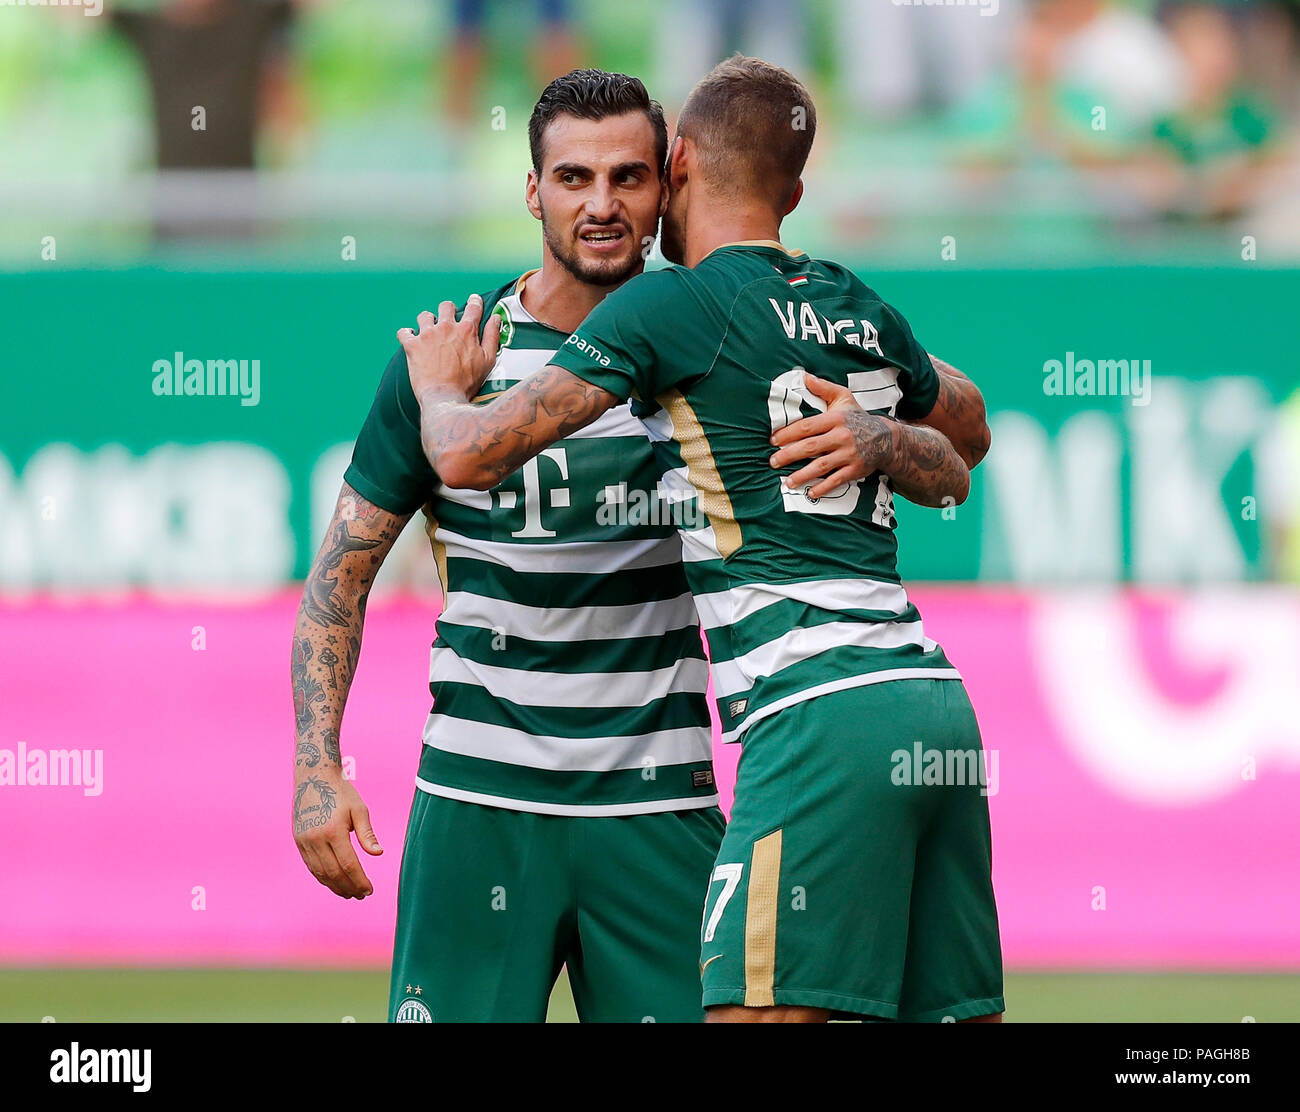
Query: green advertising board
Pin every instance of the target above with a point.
(1144, 420)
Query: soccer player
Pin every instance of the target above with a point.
(566, 810)
(839, 887)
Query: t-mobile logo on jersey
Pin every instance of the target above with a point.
(536, 491)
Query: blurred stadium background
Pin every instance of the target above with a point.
(1032, 183)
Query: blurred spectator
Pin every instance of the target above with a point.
(894, 59)
(221, 56)
(694, 35)
(214, 68)
(1098, 75)
(555, 51)
(1220, 133)
(1266, 33)
(1088, 82)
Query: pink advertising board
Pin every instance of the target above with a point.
(1145, 796)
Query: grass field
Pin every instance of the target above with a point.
(73, 995)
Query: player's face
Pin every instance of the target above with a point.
(599, 196)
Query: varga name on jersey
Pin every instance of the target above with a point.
(587, 349)
(805, 323)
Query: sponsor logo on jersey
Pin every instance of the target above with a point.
(589, 350)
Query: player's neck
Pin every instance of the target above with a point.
(710, 226)
(556, 298)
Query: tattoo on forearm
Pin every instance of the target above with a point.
(321, 601)
(508, 431)
(921, 463)
(329, 658)
(306, 688)
(327, 639)
(925, 467)
(332, 751)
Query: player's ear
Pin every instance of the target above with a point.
(530, 196)
(677, 174)
(795, 197)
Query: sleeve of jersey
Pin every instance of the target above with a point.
(388, 465)
(622, 345)
(917, 378)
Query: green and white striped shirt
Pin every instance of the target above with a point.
(568, 673)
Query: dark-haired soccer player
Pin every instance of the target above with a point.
(836, 889)
(566, 811)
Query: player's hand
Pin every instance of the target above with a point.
(844, 444)
(326, 809)
(446, 356)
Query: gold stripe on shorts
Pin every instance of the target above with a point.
(760, 921)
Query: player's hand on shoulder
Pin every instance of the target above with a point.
(445, 356)
(327, 808)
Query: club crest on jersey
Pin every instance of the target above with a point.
(413, 1011)
(507, 325)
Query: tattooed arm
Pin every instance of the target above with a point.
(959, 414)
(326, 645)
(476, 446)
(847, 443)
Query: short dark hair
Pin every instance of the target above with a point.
(753, 125)
(592, 94)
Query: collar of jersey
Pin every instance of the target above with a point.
(518, 293)
(769, 243)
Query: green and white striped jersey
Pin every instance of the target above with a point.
(798, 596)
(568, 673)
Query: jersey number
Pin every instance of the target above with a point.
(783, 408)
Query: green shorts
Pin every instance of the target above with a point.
(492, 903)
(855, 874)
